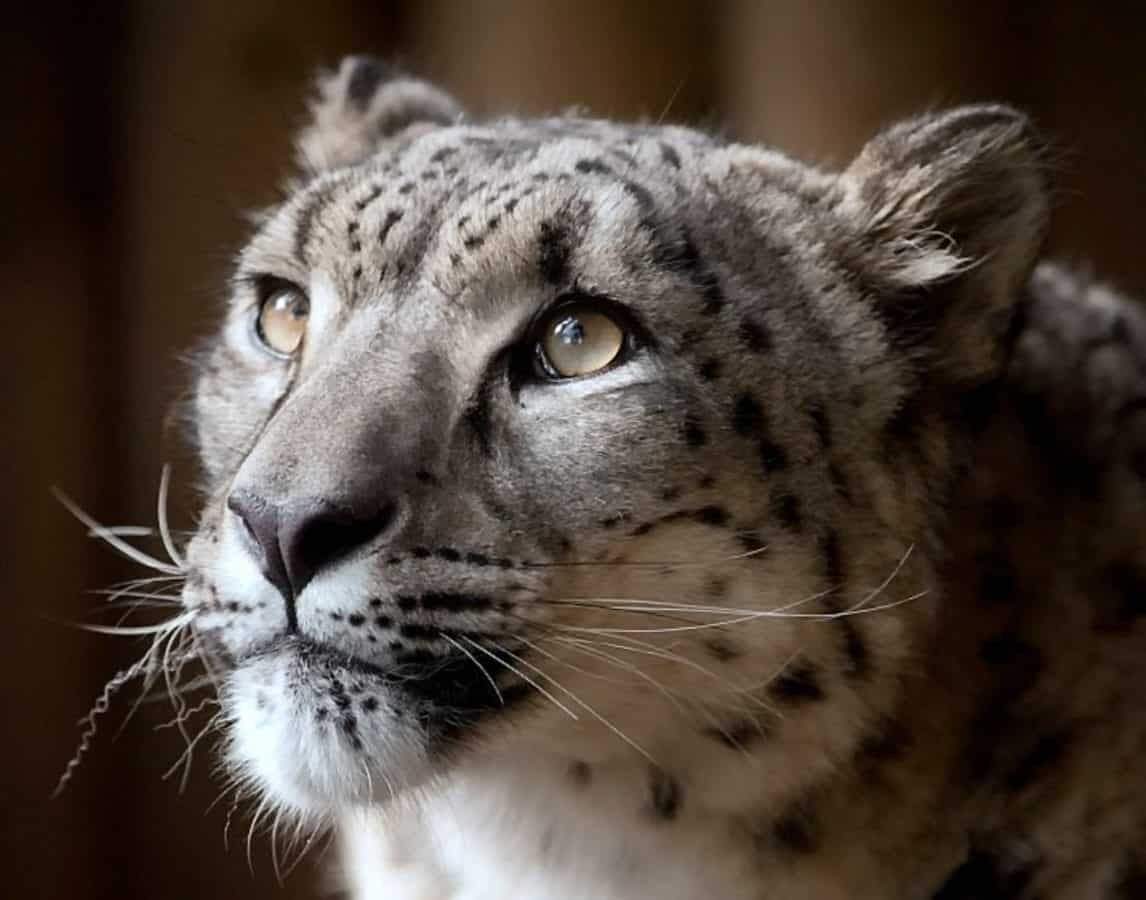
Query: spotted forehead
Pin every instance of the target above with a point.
(450, 192)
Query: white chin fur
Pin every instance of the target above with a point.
(312, 749)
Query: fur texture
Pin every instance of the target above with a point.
(831, 588)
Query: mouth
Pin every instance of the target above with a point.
(320, 727)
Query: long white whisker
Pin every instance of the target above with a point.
(523, 677)
(481, 668)
(113, 540)
(585, 706)
(161, 516)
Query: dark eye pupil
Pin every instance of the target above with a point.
(570, 331)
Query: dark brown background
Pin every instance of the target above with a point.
(136, 135)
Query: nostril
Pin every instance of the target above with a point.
(314, 534)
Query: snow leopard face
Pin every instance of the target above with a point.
(582, 440)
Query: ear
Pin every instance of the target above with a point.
(949, 212)
(362, 104)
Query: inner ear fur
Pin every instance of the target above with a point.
(946, 215)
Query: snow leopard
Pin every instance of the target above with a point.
(605, 510)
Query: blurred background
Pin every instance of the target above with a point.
(139, 133)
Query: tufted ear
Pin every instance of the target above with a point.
(951, 210)
(361, 104)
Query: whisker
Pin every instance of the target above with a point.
(114, 541)
(523, 677)
(161, 518)
(481, 668)
(585, 706)
(655, 564)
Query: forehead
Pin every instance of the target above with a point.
(454, 201)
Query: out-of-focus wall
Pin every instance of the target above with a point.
(138, 134)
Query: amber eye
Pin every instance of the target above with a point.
(579, 340)
(282, 319)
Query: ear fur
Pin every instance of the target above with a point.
(360, 105)
(947, 216)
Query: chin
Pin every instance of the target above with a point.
(318, 733)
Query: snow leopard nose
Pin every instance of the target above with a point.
(296, 540)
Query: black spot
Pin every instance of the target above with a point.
(421, 553)
(474, 241)
(492, 223)
(478, 416)
(795, 832)
(670, 493)
(694, 434)
(665, 794)
(747, 417)
(1121, 597)
(709, 369)
(786, 509)
(984, 876)
(363, 202)
(449, 554)
(799, 683)
(751, 541)
(855, 648)
(840, 482)
(452, 602)
(1045, 754)
(593, 167)
(888, 741)
(580, 773)
(429, 175)
(553, 250)
(755, 336)
(416, 632)
(369, 704)
(356, 619)
(442, 154)
(364, 80)
(706, 481)
(393, 217)
(721, 649)
(669, 155)
(712, 515)
(405, 187)
(425, 477)
(477, 559)
(997, 580)
(821, 425)
(375, 602)
(773, 457)
(383, 621)
(407, 603)
(1130, 881)
(1007, 649)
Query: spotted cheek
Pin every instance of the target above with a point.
(234, 606)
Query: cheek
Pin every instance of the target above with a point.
(581, 466)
